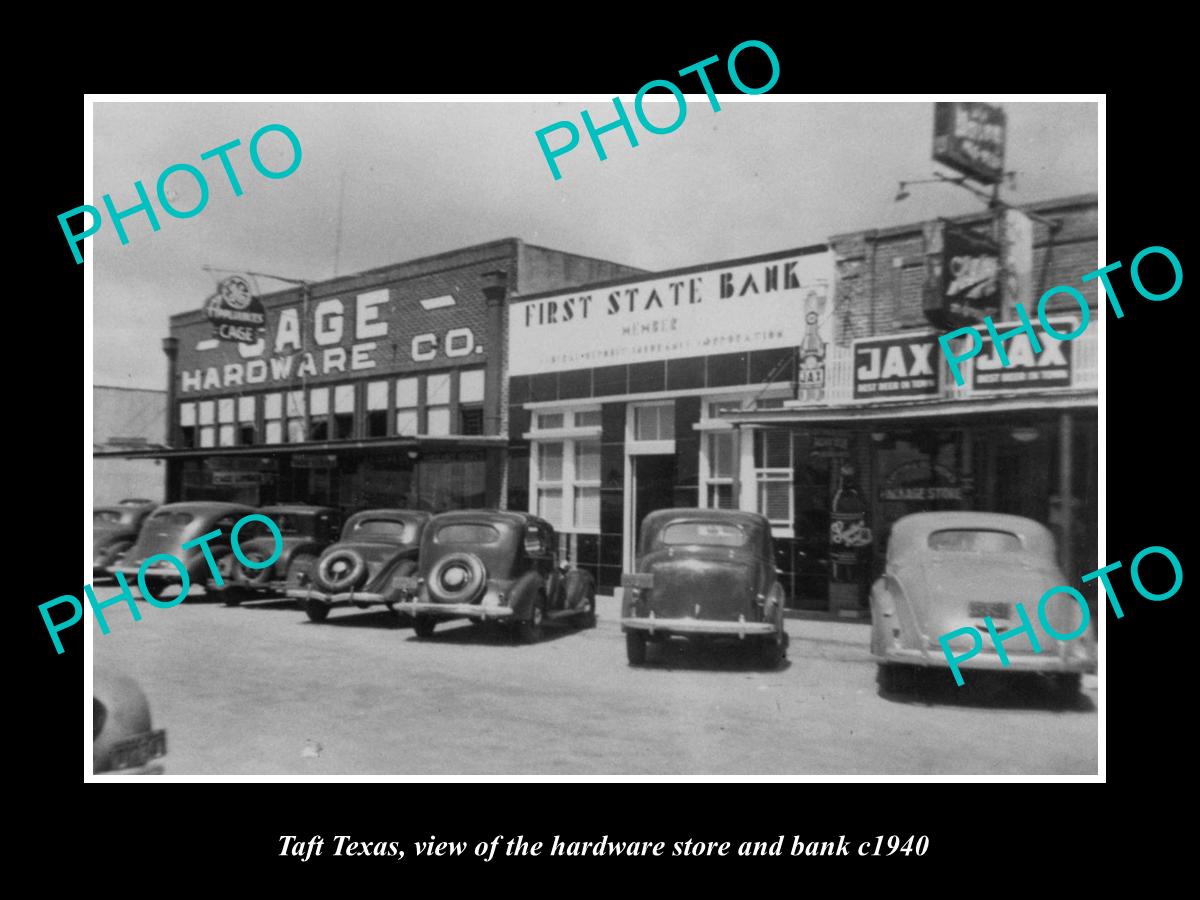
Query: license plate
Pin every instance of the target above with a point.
(138, 750)
(995, 610)
(406, 583)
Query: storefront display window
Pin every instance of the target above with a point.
(773, 477)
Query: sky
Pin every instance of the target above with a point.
(417, 178)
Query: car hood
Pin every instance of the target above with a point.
(702, 584)
(947, 594)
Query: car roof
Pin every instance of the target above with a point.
(297, 508)
(660, 517)
(910, 534)
(407, 515)
(510, 516)
(201, 507)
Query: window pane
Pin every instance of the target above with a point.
(274, 432)
(406, 392)
(318, 401)
(406, 421)
(274, 406)
(587, 461)
(774, 501)
(245, 409)
(470, 386)
(549, 420)
(720, 454)
(207, 436)
(377, 423)
(550, 462)
(225, 436)
(773, 449)
(187, 414)
(654, 423)
(206, 412)
(343, 398)
(295, 404)
(377, 395)
(720, 496)
(439, 420)
(470, 420)
(587, 508)
(550, 504)
(666, 423)
(295, 430)
(225, 409)
(437, 389)
(587, 418)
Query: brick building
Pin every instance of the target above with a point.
(378, 389)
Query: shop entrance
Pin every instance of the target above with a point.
(653, 488)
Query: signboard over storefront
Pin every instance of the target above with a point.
(969, 138)
(766, 305)
(963, 275)
(1026, 369)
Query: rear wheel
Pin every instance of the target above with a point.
(316, 610)
(424, 625)
(529, 631)
(895, 679)
(233, 595)
(635, 647)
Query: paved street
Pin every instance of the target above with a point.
(259, 690)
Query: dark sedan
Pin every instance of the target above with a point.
(378, 547)
(704, 573)
(306, 531)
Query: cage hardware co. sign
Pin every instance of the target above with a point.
(236, 313)
(969, 138)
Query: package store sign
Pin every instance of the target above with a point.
(898, 367)
(784, 302)
(969, 138)
(333, 337)
(1026, 369)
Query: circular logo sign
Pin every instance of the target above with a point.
(235, 291)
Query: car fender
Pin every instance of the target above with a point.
(575, 584)
(524, 592)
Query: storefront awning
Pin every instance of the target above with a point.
(425, 443)
(916, 410)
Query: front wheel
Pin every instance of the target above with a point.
(635, 647)
(771, 651)
(424, 625)
(316, 610)
(529, 631)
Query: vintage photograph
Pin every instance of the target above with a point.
(532, 439)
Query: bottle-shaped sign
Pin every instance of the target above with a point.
(848, 531)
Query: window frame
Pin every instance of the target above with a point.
(570, 437)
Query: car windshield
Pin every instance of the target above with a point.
(289, 524)
(170, 519)
(381, 530)
(974, 540)
(467, 533)
(710, 534)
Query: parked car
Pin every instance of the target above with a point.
(114, 529)
(377, 547)
(166, 531)
(123, 738)
(704, 574)
(493, 565)
(949, 570)
(306, 531)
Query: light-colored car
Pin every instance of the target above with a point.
(123, 738)
(949, 571)
(114, 530)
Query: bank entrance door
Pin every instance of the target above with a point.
(653, 488)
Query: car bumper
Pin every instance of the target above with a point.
(654, 625)
(1024, 662)
(453, 610)
(357, 597)
(169, 573)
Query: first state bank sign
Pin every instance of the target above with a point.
(765, 305)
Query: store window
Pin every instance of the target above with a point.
(773, 476)
(565, 472)
(318, 414)
(377, 408)
(297, 430)
(187, 424)
(406, 406)
(245, 420)
(437, 404)
(226, 408)
(655, 422)
(273, 416)
(208, 430)
(470, 401)
(343, 411)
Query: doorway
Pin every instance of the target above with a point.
(653, 488)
